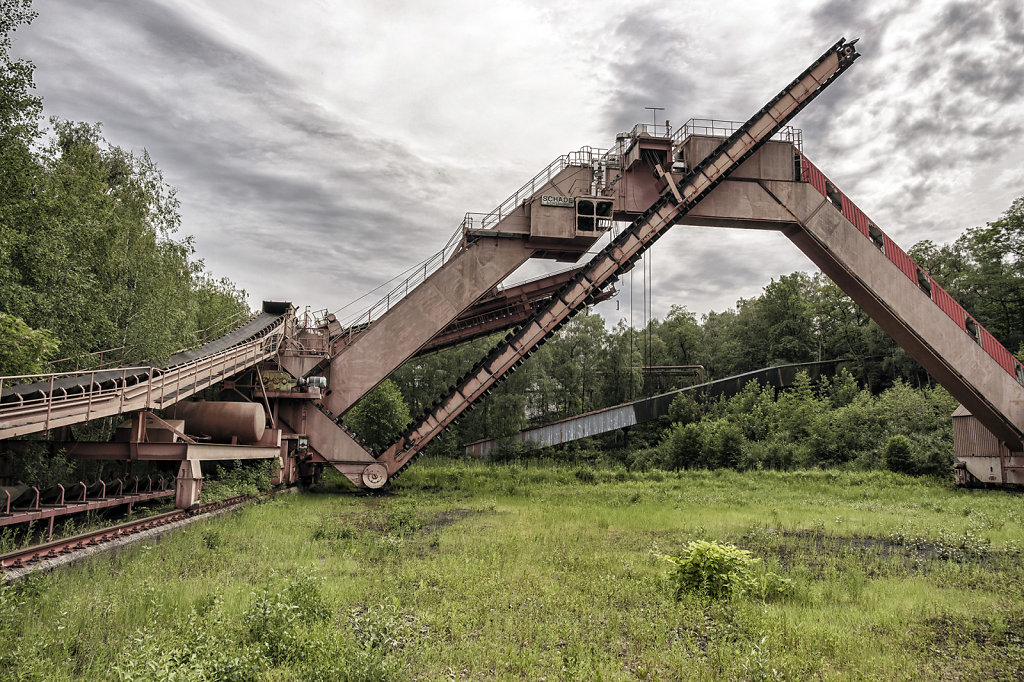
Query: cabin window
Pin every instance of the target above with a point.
(925, 282)
(593, 215)
(973, 329)
(1019, 372)
(834, 195)
(876, 236)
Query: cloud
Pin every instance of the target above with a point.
(320, 151)
(270, 181)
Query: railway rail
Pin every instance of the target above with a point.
(28, 556)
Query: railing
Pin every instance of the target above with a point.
(362, 319)
(585, 157)
(651, 130)
(716, 128)
(87, 359)
(98, 357)
(221, 327)
(153, 388)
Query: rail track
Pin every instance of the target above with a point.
(65, 547)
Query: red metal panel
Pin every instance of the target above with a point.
(904, 262)
(901, 259)
(948, 305)
(855, 215)
(812, 175)
(997, 351)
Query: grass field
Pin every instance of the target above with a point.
(540, 571)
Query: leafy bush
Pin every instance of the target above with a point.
(379, 417)
(509, 450)
(897, 455)
(721, 570)
(24, 349)
(830, 424)
(238, 478)
(683, 446)
(685, 409)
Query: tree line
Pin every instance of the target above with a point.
(90, 257)
(797, 318)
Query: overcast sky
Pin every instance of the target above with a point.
(320, 148)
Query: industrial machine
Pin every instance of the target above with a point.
(294, 377)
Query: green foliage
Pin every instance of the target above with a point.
(37, 466)
(24, 350)
(19, 108)
(721, 570)
(830, 424)
(380, 416)
(683, 446)
(897, 455)
(250, 477)
(685, 409)
(87, 240)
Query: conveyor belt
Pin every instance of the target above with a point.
(75, 397)
(79, 381)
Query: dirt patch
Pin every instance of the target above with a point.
(447, 518)
(973, 648)
(878, 555)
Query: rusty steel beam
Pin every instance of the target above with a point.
(17, 516)
(502, 310)
(51, 550)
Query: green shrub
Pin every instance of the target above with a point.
(683, 446)
(723, 444)
(897, 455)
(645, 459)
(721, 570)
(238, 478)
(512, 451)
(685, 409)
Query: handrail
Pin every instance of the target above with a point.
(586, 156)
(79, 358)
(713, 127)
(156, 387)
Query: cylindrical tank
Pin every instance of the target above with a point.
(223, 420)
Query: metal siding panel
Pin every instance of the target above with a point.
(813, 176)
(904, 262)
(900, 258)
(854, 215)
(948, 305)
(997, 350)
(971, 439)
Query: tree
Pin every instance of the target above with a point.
(24, 350)
(87, 236)
(622, 377)
(682, 337)
(19, 108)
(574, 353)
(379, 418)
